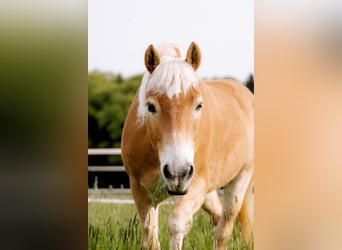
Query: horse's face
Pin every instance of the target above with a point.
(172, 107)
(173, 127)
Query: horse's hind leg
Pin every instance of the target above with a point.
(246, 215)
(234, 193)
(213, 206)
(148, 217)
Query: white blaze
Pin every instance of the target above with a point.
(179, 155)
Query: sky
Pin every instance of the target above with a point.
(120, 31)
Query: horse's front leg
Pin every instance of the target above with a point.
(180, 219)
(148, 216)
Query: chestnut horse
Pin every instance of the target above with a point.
(189, 137)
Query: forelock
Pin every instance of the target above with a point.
(172, 77)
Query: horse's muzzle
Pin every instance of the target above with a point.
(178, 182)
(186, 173)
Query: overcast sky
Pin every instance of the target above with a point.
(120, 31)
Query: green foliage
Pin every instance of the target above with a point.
(113, 227)
(109, 97)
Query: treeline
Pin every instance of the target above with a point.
(109, 97)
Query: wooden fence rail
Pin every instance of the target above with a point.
(105, 151)
(113, 169)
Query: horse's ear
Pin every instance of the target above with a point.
(193, 56)
(151, 58)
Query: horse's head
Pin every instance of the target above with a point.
(170, 105)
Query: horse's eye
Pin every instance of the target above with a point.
(151, 108)
(199, 106)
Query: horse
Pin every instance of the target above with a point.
(187, 138)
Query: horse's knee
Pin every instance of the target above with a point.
(178, 224)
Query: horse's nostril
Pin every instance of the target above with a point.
(188, 173)
(167, 172)
(191, 171)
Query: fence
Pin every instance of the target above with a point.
(117, 171)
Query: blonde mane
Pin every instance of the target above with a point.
(171, 77)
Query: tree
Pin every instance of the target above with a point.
(109, 97)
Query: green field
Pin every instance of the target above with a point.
(116, 226)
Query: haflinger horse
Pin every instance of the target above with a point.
(189, 138)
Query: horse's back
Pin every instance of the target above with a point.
(229, 89)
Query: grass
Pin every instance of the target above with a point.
(116, 226)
